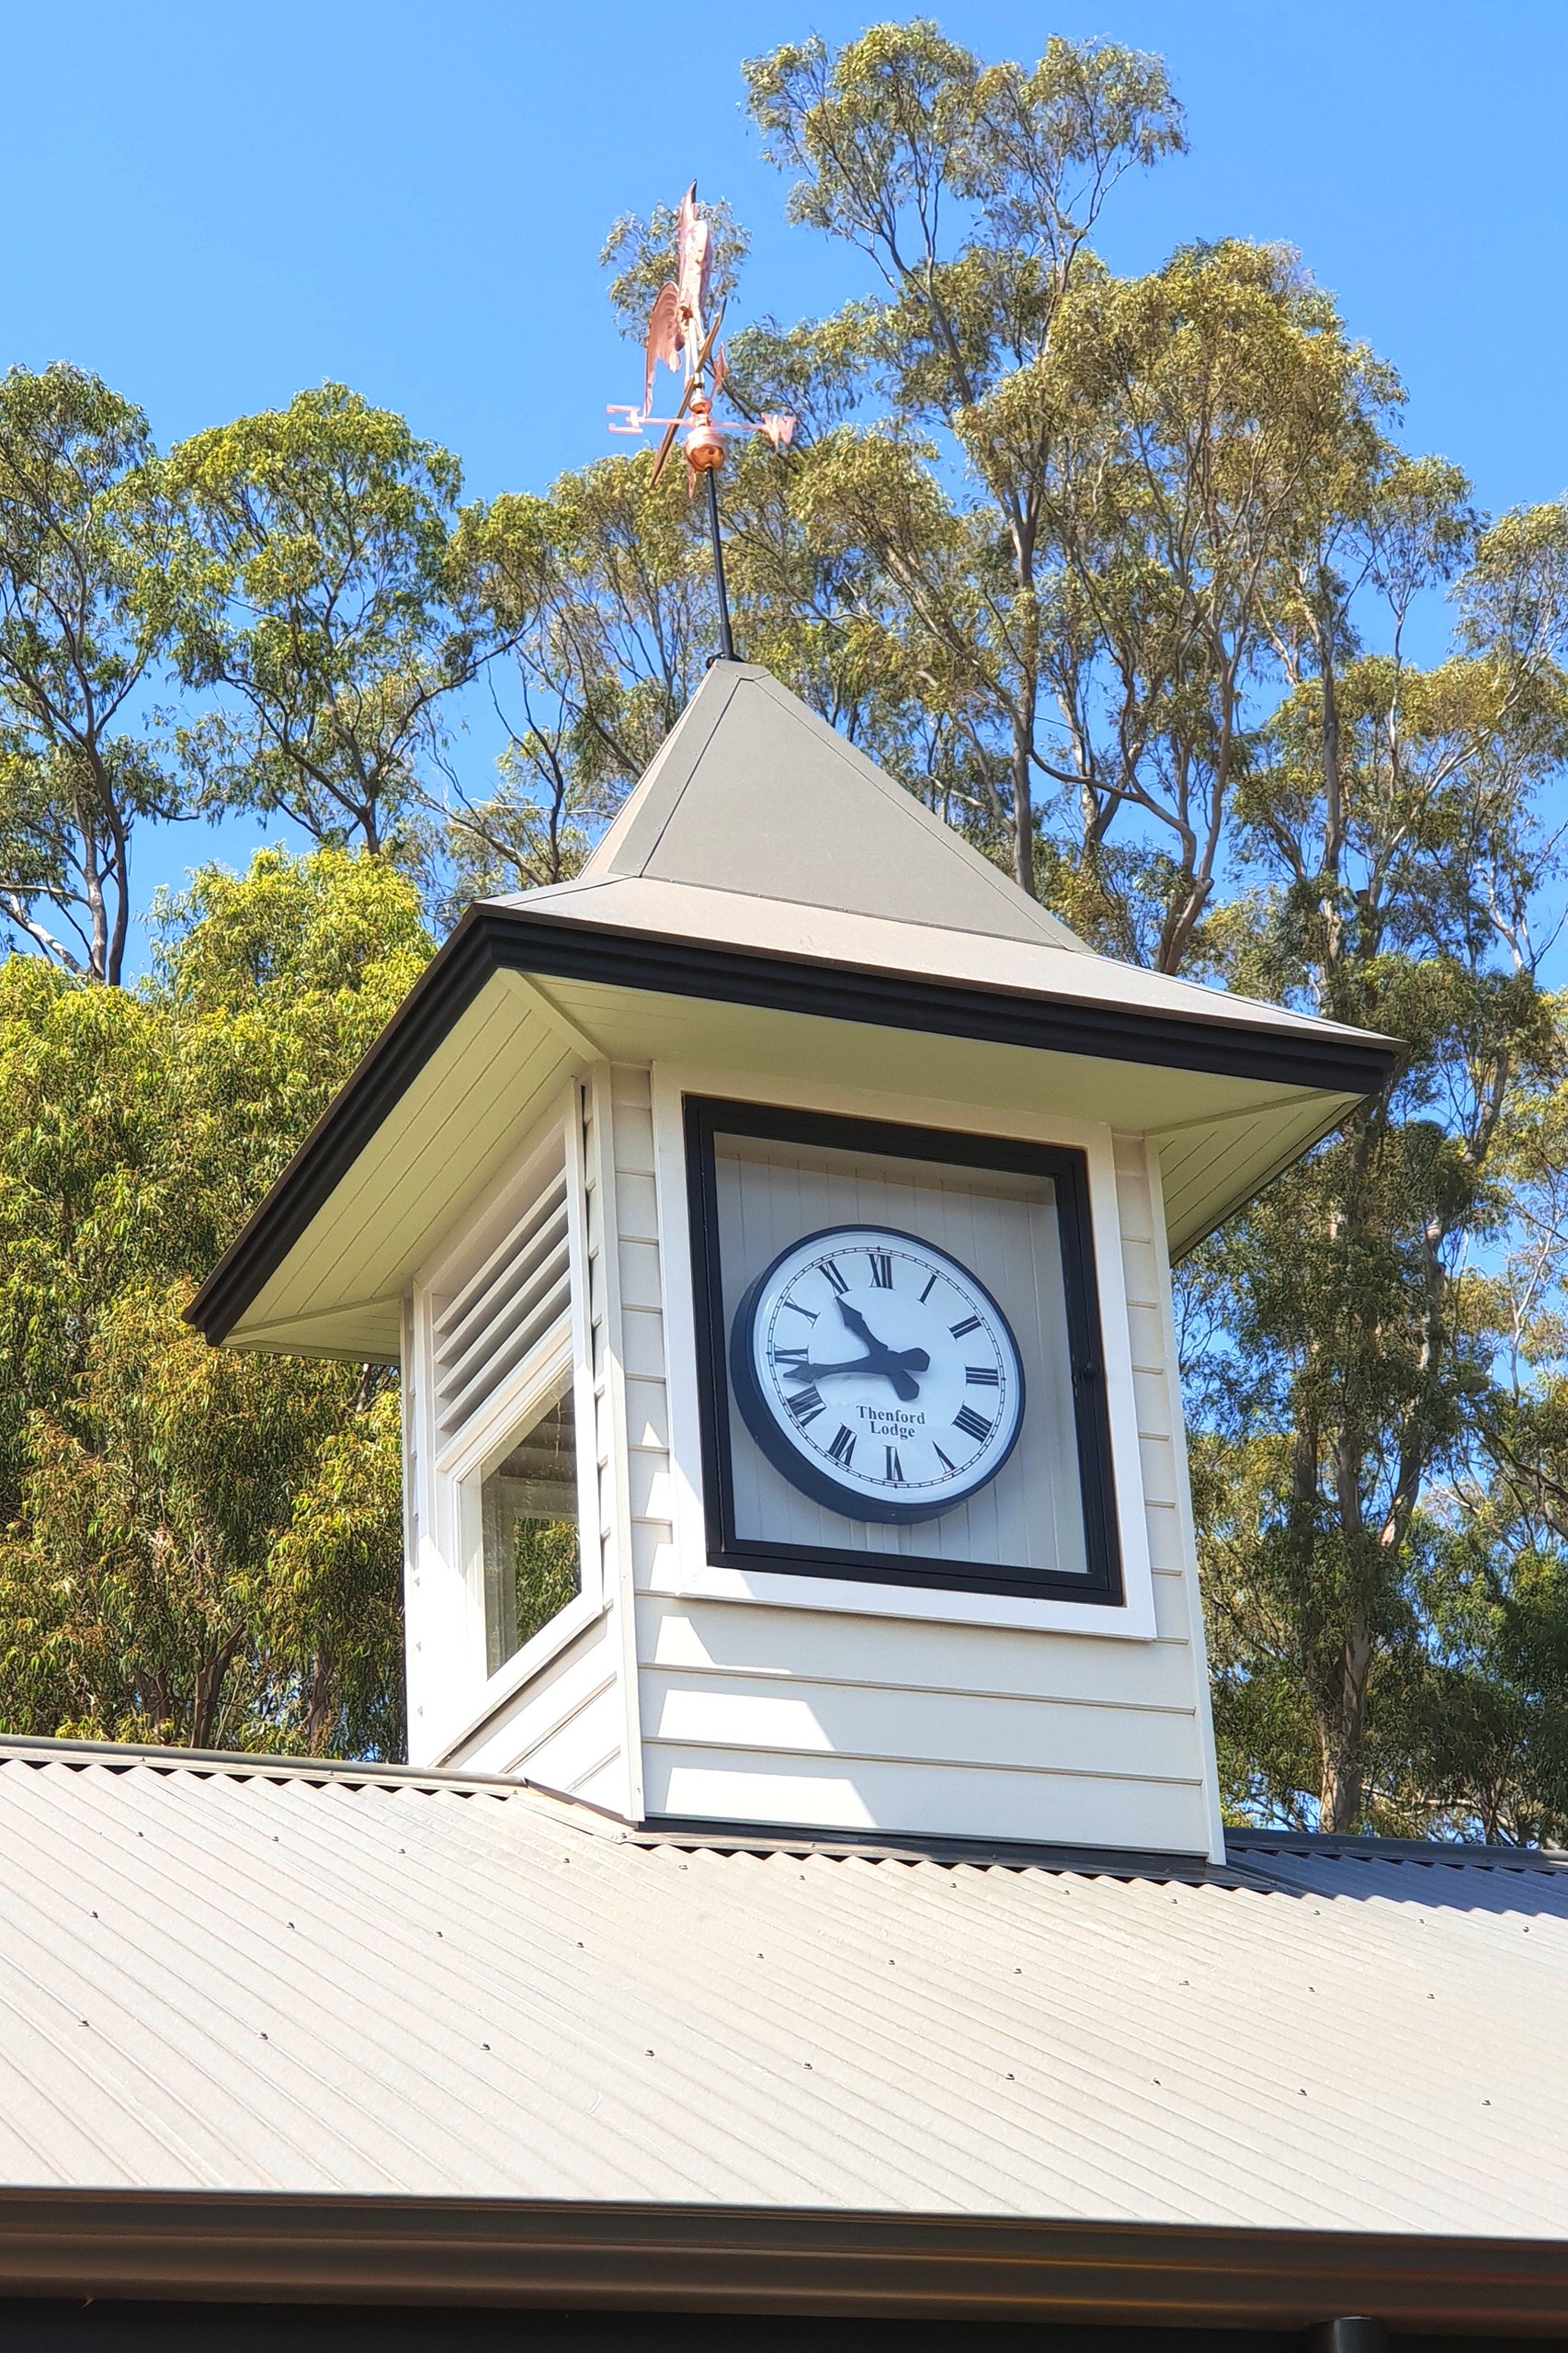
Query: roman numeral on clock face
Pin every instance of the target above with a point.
(970, 1324)
(843, 1447)
(882, 1268)
(830, 1269)
(807, 1404)
(970, 1422)
(983, 1376)
(893, 1474)
(788, 1356)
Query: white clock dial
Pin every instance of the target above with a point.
(877, 1373)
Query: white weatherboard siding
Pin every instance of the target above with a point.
(698, 1707)
(798, 1714)
(565, 1728)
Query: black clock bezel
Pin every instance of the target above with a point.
(763, 1424)
(708, 1117)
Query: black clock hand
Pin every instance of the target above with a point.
(888, 1360)
(884, 1359)
(860, 1328)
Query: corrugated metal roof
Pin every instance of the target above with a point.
(258, 1978)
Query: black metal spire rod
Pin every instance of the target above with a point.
(726, 640)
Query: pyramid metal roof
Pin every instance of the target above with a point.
(753, 793)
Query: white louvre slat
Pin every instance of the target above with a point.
(532, 1221)
(510, 1304)
(507, 1293)
(506, 1346)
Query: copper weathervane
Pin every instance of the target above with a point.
(680, 334)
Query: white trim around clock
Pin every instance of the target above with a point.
(691, 1574)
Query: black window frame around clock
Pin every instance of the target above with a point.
(708, 1117)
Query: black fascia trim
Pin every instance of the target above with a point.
(490, 939)
(276, 2247)
(1067, 1169)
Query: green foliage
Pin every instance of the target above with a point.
(1117, 574)
(96, 575)
(327, 621)
(202, 1547)
(547, 1553)
(972, 191)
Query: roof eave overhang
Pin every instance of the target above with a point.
(492, 939)
(275, 2247)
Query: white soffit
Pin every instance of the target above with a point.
(474, 1099)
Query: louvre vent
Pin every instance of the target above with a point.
(506, 1307)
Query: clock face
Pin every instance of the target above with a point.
(877, 1373)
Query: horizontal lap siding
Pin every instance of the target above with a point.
(564, 1727)
(757, 1713)
(855, 1793)
(650, 1479)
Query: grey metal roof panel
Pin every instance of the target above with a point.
(222, 1977)
(753, 793)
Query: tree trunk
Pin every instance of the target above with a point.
(1023, 818)
(1344, 1736)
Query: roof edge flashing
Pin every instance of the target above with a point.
(490, 939)
(278, 2246)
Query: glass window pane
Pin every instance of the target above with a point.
(528, 1518)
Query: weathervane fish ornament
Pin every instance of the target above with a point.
(680, 334)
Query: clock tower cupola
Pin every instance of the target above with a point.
(774, 1225)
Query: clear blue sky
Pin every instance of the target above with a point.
(215, 204)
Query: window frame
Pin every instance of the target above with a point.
(450, 1540)
(1067, 1167)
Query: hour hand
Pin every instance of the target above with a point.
(895, 1365)
(860, 1326)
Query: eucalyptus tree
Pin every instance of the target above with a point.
(96, 574)
(193, 1545)
(972, 191)
(327, 628)
(601, 594)
(1392, 831)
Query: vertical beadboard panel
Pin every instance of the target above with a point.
(758, 1712)
(1005, 1232)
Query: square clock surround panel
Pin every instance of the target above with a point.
(899, 1355)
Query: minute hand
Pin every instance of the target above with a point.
(895, 1368)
